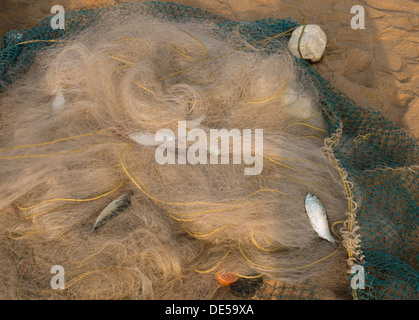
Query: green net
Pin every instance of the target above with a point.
(379, 157)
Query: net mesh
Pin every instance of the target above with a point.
(380, 159)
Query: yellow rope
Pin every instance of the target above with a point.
(146, 89)
(333, 225)
(134, 39)
(49, 154)
(18, 285)
(89, 71)
(83, 275)
(35, 41)
(95, 254)
(63, 237)
(299, 41)
(272, 244)
(252, 238)
(187, 56)
(317, 114)
(72, 200)
(218, 210)
(362, 138)
(281, 164)
(249, 277)
(48, 211)
(210, 94)
(183, 54)
(124, 167)
(304, 124)
(195, 65)
(122, 60)
(22, 236)
(110, 86)
(312, 136)
(294, 268)
(291, 168)
(202, 235)
(199, 41)
(279, 35)
(351, 237)
(301, 160)
(175, 73)
(274, 96)
(212, 293)
(135, 176)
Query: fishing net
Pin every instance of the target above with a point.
(374, 163)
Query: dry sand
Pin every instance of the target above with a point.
(377, 66)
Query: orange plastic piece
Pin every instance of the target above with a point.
(226, 278)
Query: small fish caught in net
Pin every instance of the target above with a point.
(81, 186)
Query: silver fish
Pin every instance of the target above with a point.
(318, 217)
(113, 209)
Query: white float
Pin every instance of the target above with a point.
(310, 45)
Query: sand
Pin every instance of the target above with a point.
(377, 66)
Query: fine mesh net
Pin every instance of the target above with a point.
(378, 161)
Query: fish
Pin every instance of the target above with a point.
(318, 218)
(113, 209)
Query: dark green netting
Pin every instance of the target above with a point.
(276, 290)
(379, 157)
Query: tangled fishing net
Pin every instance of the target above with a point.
(78, 132)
